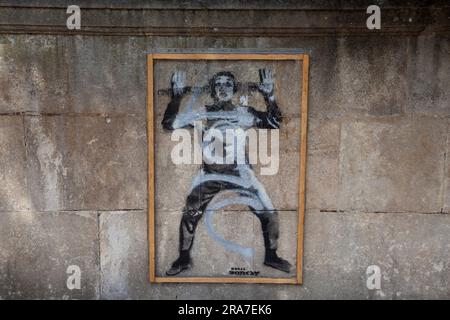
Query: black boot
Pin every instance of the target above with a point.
(273, 260)
(182, 263)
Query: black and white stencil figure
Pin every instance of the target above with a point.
(222, 183)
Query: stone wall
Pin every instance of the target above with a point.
(74, 148)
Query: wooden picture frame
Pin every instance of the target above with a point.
(302, 59)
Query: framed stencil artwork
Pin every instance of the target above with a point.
(227, 166)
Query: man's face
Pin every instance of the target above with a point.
(224, 88)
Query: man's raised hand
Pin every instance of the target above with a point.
(267, 82)
(178, 83)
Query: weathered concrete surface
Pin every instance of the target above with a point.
(200, 4)
(392, 165)
(230, 18)
(322, 177)
(13, 190)
(428, 75)
(120, 233)
(349, 76)
(355, 76)
(338, 249)
(33, 74)
(83, 162)
(446, 178)
(410, 249)
(38, 72)
(116, 85)
(36, 249)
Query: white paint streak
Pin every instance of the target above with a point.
(438, 267)
(113, 257)
(92, 141)
(51, 166)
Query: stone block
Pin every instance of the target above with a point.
(410, 249)
(123, 254)
(322, 164)
(39, 71)
(13, 189)
(83, 162)
(283, 187)
(37, 248)
(33, 74)
(428, 76)
(392, 165)
(355, 77)
(446, 183)
(112, 82)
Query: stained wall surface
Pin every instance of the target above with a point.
(73, 144)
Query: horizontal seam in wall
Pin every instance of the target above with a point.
(404, 116)
(93, 211)
(221, 9)
(379, 212)
(336, 33)
(310, 210)
(365, 117)
(69, 114)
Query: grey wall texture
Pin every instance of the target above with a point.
(73, 144)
